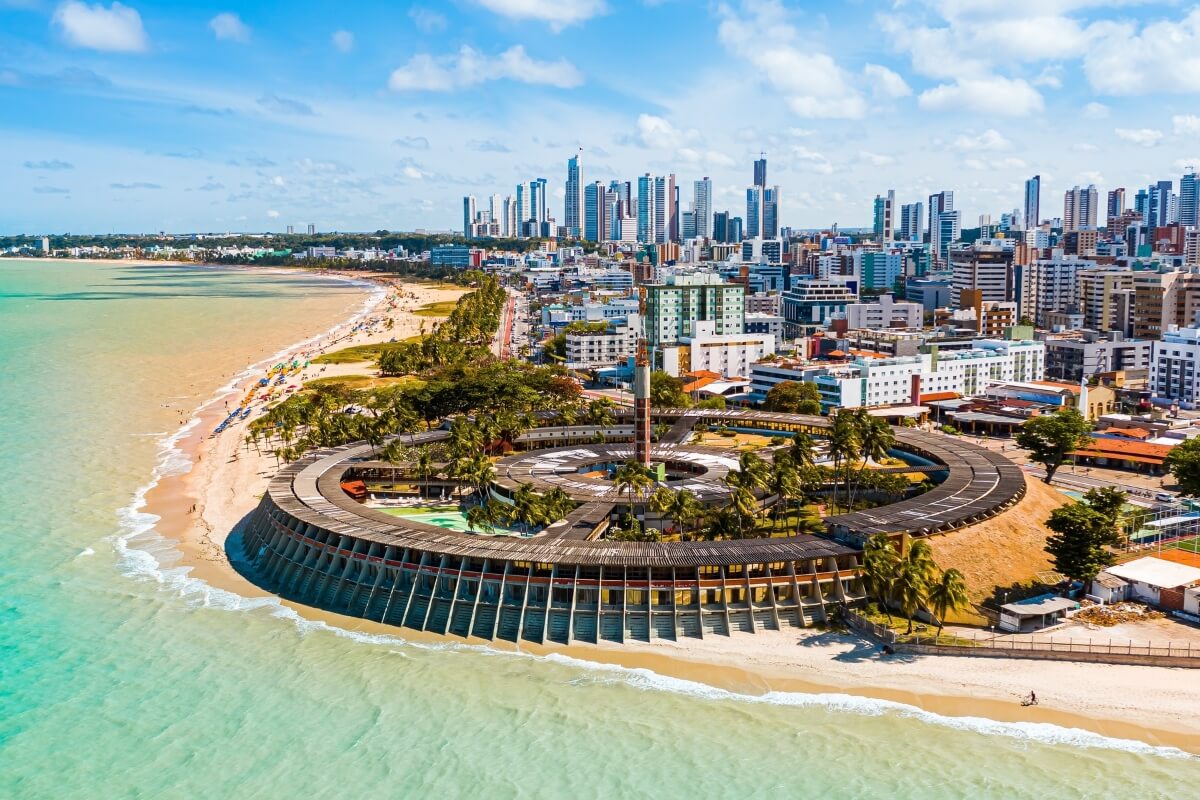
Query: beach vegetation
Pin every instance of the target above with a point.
(911, 581)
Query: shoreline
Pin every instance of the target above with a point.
(197, 508)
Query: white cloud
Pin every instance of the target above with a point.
(808, 160)
(991, 95)
(1095, 111)
(974, 42)
(559, 13)
(414, 173)
(990, 140)
(1186, 124)
(428, 21)
(708, 158)
(469, 67)
(343, 41)
(116, 29)
(1050, 77)
(273, 214)
(875, 159)
(1146, 137)
(659, 134)
(886, 83)
(995, 163)
(1164, 56)
(229, 27)
(811, 82)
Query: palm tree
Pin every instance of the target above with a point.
(526, 506)
(880, 563)
(684, 508)
(482, 516)
(913, 578)
(948, 593)
(843, 447)
(422, 464)
(632, 477)
(803, 451)
(600, 412)
(723, 523)
(662, 499)
(754, 471)
(393, 453)
(875, 439)
(785, 482)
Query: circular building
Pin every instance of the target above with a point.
(311, 541)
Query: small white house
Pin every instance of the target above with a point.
(1155, 580)
(1108, 588)
(1026, 616)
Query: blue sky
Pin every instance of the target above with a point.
(145, 116)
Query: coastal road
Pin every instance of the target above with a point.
(501, 345)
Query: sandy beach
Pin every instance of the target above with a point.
(1158, 705)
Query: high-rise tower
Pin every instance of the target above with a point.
(1033, 202)
(573, 202)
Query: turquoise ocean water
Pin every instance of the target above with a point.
(120, 677)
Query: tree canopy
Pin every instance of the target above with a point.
(1081, 537)
(1051, 438)
(666, 391)
(1184, 463)
(794, 397)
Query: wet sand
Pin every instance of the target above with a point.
(1151, 704)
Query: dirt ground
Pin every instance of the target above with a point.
(1163, 629)
(1004, 550)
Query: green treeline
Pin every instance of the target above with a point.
(464, 337)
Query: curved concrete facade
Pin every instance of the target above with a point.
(309, 542)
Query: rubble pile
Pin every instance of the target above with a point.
(1116, 614)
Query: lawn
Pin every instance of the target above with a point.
(1191, 545)
(730, 440)
(361, 352)
(362, 381)
(440, 309)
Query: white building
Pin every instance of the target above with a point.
(1173, 363)
(869, 382)
(597, 349)
(729, 355)
(884, 313)
(1049, 285)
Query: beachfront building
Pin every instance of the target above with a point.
(316, 538)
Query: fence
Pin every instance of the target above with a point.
(982, 643)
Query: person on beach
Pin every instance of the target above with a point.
(1032, 701)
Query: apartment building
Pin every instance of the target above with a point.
(1074, 356)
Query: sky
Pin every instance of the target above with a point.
(143, 116)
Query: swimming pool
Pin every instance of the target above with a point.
(449, 517)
